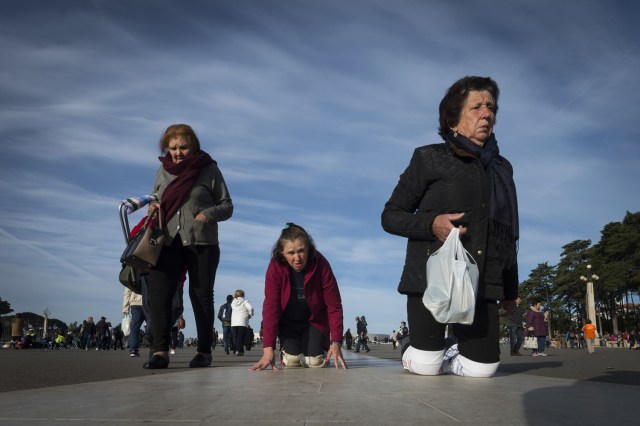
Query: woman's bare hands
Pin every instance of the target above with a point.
(336, 353)
(268, 359)
(443, 224)
(152, 206)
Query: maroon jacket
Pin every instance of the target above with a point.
(320, 290)
(536, 320)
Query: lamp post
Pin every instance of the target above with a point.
(549, 314)
(46, 314)
(630, 272)
(591, 305)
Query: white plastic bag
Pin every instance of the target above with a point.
(126, 325)
(530, 342)
(452, 282)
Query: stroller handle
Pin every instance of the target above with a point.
(129, 206)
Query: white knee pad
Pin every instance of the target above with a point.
(462, 366)
(312, 361)
(291, 360)
(424, 363)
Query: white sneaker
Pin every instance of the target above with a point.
(291, 360)
(312, 361)
(172, 352)
(541, 354)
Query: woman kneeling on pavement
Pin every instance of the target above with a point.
(302, 305)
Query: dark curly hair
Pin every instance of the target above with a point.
(455, 97)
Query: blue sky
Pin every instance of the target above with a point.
(312, 110)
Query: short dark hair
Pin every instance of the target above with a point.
(292, 232)
(456, 95)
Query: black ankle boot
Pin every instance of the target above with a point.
(201, 361)
(156, 362)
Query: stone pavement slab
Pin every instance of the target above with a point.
(374, 391)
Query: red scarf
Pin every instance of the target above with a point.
(187, 172)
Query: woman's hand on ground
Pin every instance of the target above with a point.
(268, 359)
(336, 353)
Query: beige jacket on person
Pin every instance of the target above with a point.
(130, 299)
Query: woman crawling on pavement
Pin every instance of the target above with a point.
(302, 305)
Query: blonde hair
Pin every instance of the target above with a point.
(238, 293)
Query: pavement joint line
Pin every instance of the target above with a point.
(434, 408)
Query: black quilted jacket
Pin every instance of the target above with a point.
(442, 178)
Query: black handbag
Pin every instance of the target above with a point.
(130, 278)
(143, 250)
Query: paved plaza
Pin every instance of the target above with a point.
(570, 387)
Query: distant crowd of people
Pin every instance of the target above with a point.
(534, 323)
(90, 335)
(575, 339)
(99, 335)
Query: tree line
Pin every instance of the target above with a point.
(614, 270)
(32, 320)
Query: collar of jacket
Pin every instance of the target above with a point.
(311, 268)
(459, 151)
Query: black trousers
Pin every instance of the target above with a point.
(239, 334)
(300, 337)
(478, 342)
(177, 306)
(515, 338)
(201, 262)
